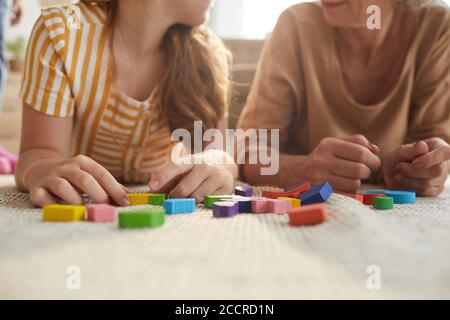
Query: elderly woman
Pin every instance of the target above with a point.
(354, 103)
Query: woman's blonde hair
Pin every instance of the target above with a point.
(196, 84)
(417, 4)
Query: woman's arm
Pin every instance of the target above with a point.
(45, 170)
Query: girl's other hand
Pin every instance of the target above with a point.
(193, 180)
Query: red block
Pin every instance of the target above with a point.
(368, 198)
(298, 190)
(272, 194)
(307, 215)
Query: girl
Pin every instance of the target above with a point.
(105, 84)
(332, 84)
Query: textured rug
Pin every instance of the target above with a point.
(251, 256)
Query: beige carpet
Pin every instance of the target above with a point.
(247, 257)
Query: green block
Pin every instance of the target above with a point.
(208, 201)
(149, 218)
(383, 203)
(156, 199)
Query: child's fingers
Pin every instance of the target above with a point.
(435, 157)
(408, 170)
(210, 186)
(86, 183)
(63, 190)
(105, 179)
(191, 182)
(163, 177)
(41, 197)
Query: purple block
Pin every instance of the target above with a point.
(243, 191)
(225, 209)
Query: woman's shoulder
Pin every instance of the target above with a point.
(74, 17)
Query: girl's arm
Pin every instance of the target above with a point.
(46, 171)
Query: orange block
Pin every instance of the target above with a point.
(272, 194)
(307, 215)
(359, 197)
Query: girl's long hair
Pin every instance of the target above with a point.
(196, 84)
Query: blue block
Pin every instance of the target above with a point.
(174, 206)
(243, 191)
(402, 197)
(374, 191)
(317, 194)
(245, 206)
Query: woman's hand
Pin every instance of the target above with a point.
(194, 180)
(342, 162)
(53, 181)
(422, 166)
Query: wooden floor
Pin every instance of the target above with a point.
(11, 114)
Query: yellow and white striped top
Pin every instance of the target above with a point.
(66, 75)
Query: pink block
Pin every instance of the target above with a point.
(279, 206)
(101, 213)
(5, 166)
(12, 158)
(260, 205)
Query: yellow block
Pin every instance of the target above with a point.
(138, 199)
(296, 203)
(63, 213)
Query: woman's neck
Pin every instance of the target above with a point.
(366, 40)
(142, 24)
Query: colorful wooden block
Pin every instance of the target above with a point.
(148, 218)
(272, 194)
(260, 205)
(208, 201)
(279, 206)
(63, 213)
(101, 213)
(156, 199)
(5, 166)
(243, 191)
(318, 194)
(402, 197)
(383, 203)
(358, 197)
(299, 188)
(138, 199)
(307, 215)
(175, 206)
(296, 203)
(374, 191)
(225, 209)
(368, 198)
(245, 205)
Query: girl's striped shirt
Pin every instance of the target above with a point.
(66, 75)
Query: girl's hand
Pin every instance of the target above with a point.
(422, 166)
(193, 180)
(66, 181)
(342, 162)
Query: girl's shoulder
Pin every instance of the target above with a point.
(75, 16)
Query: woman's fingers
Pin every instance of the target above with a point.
(417, 183)
(433, 158)
(410, 171)
(62, 189)
(363, 141)
(210, 186)
(357, 153)
(350, 169)
(344, 184)
(86, 183)
(41, 197)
